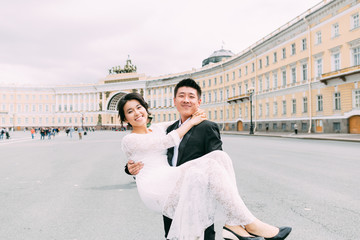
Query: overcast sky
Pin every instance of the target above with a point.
(53, 42)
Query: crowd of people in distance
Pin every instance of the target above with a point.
(48, 132)
(69, 131)
(45, 132)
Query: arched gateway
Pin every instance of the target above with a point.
(113, 102)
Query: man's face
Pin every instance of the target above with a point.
(187, 102)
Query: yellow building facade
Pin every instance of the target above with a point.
(305, 74)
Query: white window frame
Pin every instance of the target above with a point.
(267, 81)
(356, 98)
(293, 74)
(260, 110)
(335, 30)
(355, 56)
(354, 21)
(318, 37)
(267, 109)
(304, 71)
(293, 49)
(275, 57)
(319, 103)
(304, 44)
(319, 67)
(337, 101)
(293, 106)
(275, 80)
(305, 105)
(275, 108)
(283, 53)
(283, 78)
(336, 61)
(284, 107)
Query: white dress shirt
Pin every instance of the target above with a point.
(176, 148)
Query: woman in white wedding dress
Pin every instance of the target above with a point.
(190, 193)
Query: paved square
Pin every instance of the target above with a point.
(69, 189)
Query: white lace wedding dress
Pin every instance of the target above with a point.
(190, 193)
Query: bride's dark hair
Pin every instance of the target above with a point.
(128, 97)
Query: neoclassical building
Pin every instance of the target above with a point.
(306, 72)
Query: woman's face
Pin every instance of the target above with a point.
(135, 113)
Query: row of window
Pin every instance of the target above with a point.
(318, 40)
(159, 90)
(27, 97)
(76, 107)
(265, 84)
(215, 114)
(284, 126)
(47, 120)
(28, 108)
(319, 105)
(46, 107)
(40, 97)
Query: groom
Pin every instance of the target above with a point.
(197, 142)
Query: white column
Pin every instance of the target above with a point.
(103, 101)
(83, 100)
(62, 102)
(79, 105)
(89, 102)
(56, 103)
(73, 101)
(68, 102)
(96, 101)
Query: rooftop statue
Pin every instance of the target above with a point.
(128, 68)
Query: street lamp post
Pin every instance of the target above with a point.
(82, 120)
(251, 92)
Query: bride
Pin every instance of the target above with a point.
(190, 193)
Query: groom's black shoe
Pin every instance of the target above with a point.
(230, 235)
(283, 233)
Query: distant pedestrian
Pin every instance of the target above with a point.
(32, 131)
(80, 130)
(42, 133)
(2, 132)
(7, 133)
(295, 128)
(71, 131)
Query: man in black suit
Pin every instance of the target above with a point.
(197, 142)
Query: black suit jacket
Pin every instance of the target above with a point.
(198, 141)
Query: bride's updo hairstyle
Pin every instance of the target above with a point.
(128, 97)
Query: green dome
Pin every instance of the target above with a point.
(217, 56)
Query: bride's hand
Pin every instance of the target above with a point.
(198, 117)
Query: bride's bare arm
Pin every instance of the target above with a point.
(197, 118)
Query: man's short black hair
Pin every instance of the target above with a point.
(188, 82)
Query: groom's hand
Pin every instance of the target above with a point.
(134, 168)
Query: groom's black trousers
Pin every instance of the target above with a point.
(209, 232)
